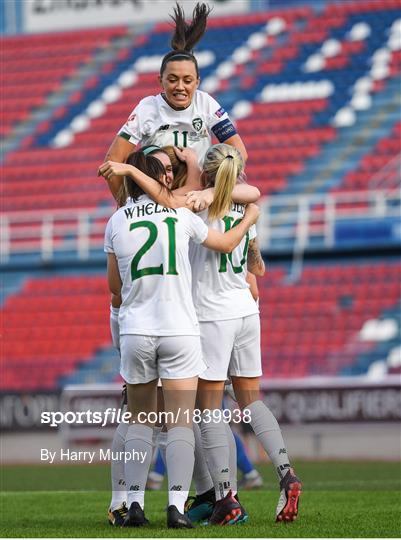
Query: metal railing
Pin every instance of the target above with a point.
(287, 223)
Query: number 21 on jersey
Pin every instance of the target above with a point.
(136, 272)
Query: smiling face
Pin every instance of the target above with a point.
(165, 160)
(179, 82)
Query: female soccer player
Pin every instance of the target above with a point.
(181, 115)
(148, 265)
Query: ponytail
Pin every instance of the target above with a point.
(222, 167)
(185, 35)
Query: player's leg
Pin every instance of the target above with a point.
(156, 475)
(179, 362)
(200, 507)
(117, 509)
(245, 371)
(250, 477)
(139, 370)
(217, 341)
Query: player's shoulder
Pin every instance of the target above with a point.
(204, 97)
(148, 103)
(205, 102)
(187, 215)
(185, 212)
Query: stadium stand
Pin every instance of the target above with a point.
(51, 326)
(315, 95)
(55, 326)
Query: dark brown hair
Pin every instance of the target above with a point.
(150, 166)
(185, 35)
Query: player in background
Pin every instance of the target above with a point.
(148, 332)
(181, 115)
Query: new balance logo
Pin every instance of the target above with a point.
(134, 488)
(282, 451)
(224, 470)
(285, 466)
(176, 488)
(121, 482)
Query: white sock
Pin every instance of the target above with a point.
(118, 488)
(202, 479)
(139, 442)
(215, 445)
(268, 432)
(233, 458)
(115, 327)
(180, 459)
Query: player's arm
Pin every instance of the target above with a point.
(242, 193)
(116, 300)
(253, 285)
(164, 197)
(228, 241)
(173, 199)
(237, 142)
(224, 129)
(255, 262)
(119, 150)
(192, 182)
(113, 275)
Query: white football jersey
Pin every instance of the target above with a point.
(219, 287)
(153, 121)
(151, 246)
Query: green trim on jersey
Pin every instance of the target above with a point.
(125, 136)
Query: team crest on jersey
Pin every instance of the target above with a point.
(197, 123)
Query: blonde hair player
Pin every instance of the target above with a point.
(148, 265)
(230, 334)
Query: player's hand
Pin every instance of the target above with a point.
(186, 155)
(252, 213)
(113, 168)
(199, 200)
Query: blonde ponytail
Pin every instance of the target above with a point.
(222, 166)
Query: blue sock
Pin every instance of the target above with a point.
(159, 467)
(243, 462)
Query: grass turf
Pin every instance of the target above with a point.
(340, 499)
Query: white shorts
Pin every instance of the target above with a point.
(145, 358)
(231, 347)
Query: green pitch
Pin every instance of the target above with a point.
(340, 499)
